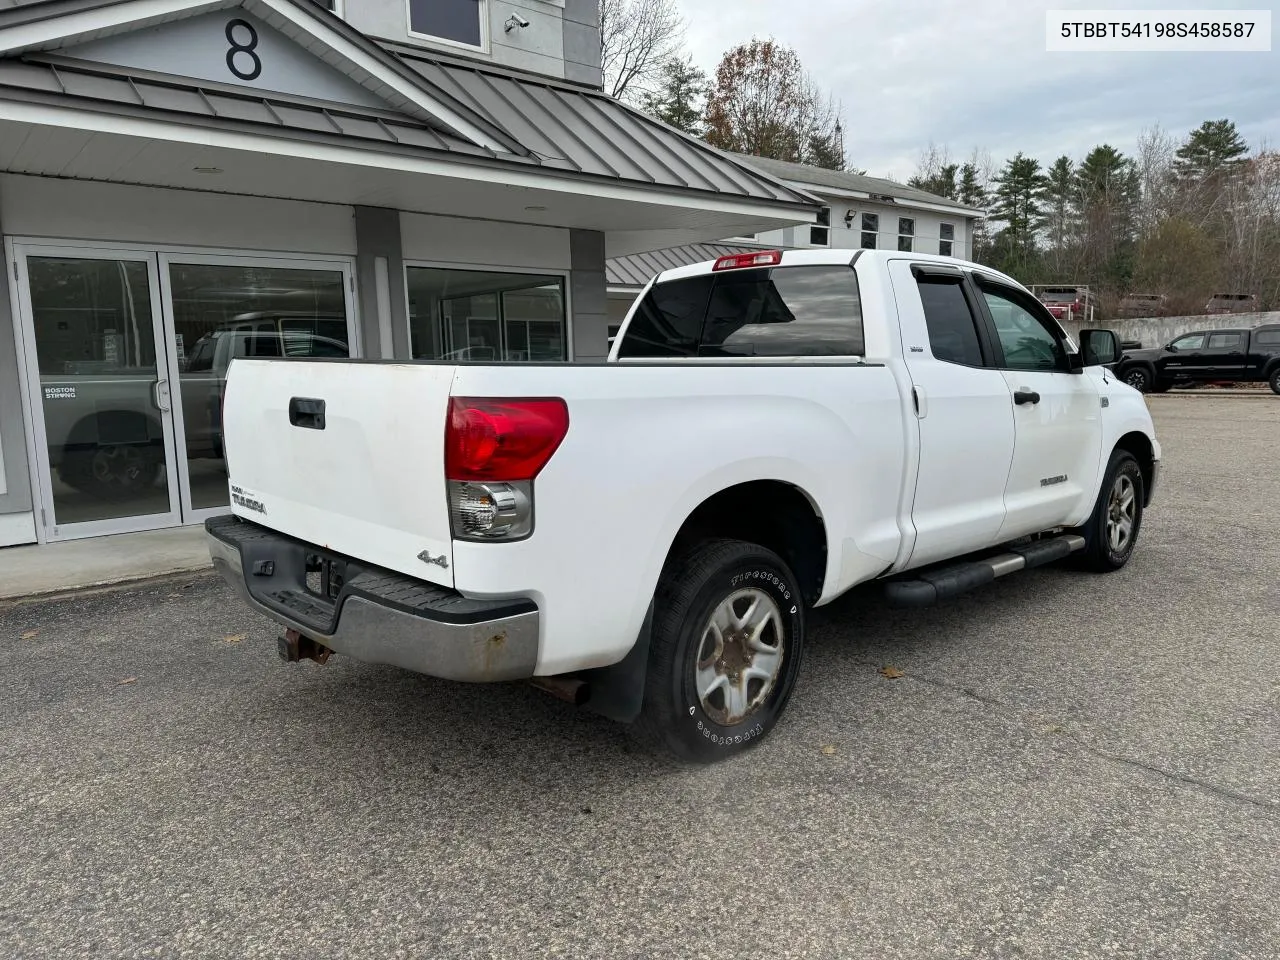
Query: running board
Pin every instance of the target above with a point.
(928, 587)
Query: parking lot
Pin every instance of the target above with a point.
(1070, 766)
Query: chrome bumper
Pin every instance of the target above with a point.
(379, 616)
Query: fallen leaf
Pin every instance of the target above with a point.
(235, 637)
(128, 680)
(829, 750)
(30, 634)
(891, 673)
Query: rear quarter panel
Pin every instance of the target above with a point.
(647, 445)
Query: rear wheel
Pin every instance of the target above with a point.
(117, 471)
(728, 634)
(1112, 529)
(1275, 380)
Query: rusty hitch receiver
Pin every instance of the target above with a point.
(293, 647)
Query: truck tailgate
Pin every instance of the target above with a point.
(348, 456)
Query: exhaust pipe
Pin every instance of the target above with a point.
(293, 647)
(568, 689)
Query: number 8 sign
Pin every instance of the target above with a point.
(246, 49)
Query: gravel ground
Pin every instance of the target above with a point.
(1071, 766)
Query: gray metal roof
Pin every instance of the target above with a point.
(46, 77)
(593, 133)
(640, 268)
(558, 127)
(818, 177)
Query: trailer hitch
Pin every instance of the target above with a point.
(293, 647)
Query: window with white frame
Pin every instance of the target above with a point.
(460, 22)
(820, 232)
(906, 234)
(946, 238)
(461, 314)
(870, 230)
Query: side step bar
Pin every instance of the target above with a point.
(928, 587)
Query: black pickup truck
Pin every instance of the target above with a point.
(1206, 356)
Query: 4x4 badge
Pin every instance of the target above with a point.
(440, 561)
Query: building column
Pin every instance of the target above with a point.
(16, 525)
(380, 283)
(587, 292)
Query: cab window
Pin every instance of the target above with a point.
(1194, 341)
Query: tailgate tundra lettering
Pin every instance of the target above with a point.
(243, 498)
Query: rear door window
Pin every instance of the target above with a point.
(1224, 341)
(785, 312)
(953, 330)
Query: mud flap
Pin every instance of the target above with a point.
(617, 691)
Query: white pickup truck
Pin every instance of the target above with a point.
(645, 536)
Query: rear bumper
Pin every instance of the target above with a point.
(376, 615)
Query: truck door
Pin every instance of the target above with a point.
(1057, 414)
(963, 413)
(1224, 355)
(1184, 358)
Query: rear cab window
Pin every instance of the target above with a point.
(783, 311)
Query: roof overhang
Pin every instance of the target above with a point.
(61, 140)
(60, 24)
(837, 193)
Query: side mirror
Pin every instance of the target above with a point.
(1171, 348)
(1099, 347)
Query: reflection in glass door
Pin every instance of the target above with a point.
(95, 355)
(225, 308)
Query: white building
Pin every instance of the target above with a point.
(858, 213)
(185, 180)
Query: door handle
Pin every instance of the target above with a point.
(160, 392)
(1025, 396)
(307, 413)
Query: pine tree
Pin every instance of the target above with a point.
(678, 100)
(1018, 206)
(941, 183)
(1211, 147)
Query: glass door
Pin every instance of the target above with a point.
(98, 376)
(223, 308)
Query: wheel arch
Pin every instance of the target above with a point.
(1139, 444)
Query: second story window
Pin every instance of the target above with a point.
(334, 6)
(870, 230)
(459, 22)
(946, 238)
(906, 234)
(820, 232)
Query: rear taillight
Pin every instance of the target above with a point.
(493, 450)
(740, 261)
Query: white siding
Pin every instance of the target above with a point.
(927, 228)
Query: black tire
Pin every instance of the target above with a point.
(1099, 554)
(1274, 380)
(693, 587)
(1139, 378)
(112, 471)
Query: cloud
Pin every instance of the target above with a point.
(975, 74)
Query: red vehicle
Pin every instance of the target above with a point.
(1066, 301)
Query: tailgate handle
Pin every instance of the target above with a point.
(306, 413)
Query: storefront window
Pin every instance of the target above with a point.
(472, 315)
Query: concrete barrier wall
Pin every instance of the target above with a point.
(1157, 331)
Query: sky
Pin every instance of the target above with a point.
(969, 74)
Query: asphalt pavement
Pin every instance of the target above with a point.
(1071, 766)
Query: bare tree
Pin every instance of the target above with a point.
(637, 39)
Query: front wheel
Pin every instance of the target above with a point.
(728, 634)
(1275, 380)
(1112, 529)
